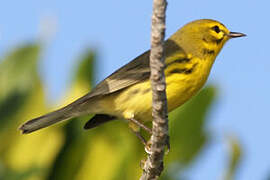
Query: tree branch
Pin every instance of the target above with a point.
(159, 139)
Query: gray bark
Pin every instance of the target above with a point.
(154, 164)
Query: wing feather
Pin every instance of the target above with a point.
(135, 71)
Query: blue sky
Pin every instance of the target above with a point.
(120, 30)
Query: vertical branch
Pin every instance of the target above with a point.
(154, 163)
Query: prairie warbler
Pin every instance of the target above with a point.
(126, 94)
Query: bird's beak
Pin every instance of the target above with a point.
(235, 34)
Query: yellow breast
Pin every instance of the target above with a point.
(182, 86)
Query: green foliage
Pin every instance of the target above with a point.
(18, 75)
(66, 151)
(187, 131)
(187, 126)
(235, 157)
(85, 70)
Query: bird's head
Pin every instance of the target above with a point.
(203, 37)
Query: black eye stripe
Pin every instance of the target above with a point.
(216, 29)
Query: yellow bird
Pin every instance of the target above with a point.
(126, 93)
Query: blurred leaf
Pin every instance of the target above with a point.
(18, 70)
(187, 126)
(18, 79)
(18, 76)
(9, 107)
(21, 98)
(187, 131)
(235, 157)
(113, 153)
(72, 153)
(20, 175)
(85, 71)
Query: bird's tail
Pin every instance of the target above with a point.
(46, 120)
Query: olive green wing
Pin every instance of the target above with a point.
(135, 71)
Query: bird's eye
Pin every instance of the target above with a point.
(216, 29)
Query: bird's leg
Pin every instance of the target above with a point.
(141, 125)
(138, 134)
(135, 127)
(144, 142)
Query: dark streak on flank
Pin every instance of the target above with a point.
(182, 70)
(132, 93)
(146, 91)
(183, 60)
(208, 51)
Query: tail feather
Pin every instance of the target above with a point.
(45, 120)
(82, 106)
